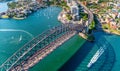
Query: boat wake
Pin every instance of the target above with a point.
(20, 38)
(96, 56)
(16, 30)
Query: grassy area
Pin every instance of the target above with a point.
(84, 16)
(12, 5)
(69, 17)
(92, 25)
(4, 16)
(59, 3)
(107, 28)
(115, 32)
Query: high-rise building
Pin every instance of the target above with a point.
(75, 10)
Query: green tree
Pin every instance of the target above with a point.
(69, 17)
(12, 5)
(85, 17)
(92, 25)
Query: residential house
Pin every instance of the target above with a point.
(113, 25)
(94, 1)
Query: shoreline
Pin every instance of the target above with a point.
(47, 50)
(110, 30)
(63, 23)
(20, 13)
(113, 33)
(66, 21)
(16, 18)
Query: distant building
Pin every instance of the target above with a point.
(84, 3)
(75, 10)
(94, 1)
(69, 2)
(40, 1)
(113, 25)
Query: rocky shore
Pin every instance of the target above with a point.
(20, 10)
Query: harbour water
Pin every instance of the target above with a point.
(15, 33)
(115, 42)
(87, 55)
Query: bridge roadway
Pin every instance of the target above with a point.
(20, 57)
(90, 14)
(39, 47)
(43, 52)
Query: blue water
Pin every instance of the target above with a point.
(15, 33)
(115, 42)
(83, 56)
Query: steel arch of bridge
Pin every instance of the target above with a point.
(36, 44)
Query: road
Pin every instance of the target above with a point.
(42, 53)
(90, 14)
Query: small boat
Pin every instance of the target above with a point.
(96, 56)
(20, 38)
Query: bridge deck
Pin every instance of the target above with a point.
(43, 52)
(46, 39)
